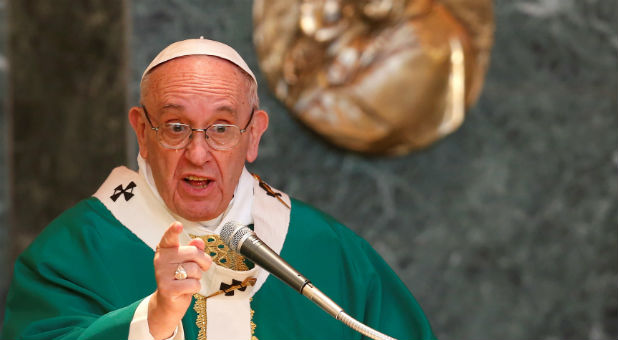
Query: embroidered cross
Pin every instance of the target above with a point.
(270, 191)
(229, 289)
(127, 192)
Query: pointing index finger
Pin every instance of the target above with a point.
(170, 238)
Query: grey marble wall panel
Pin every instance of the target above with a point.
(68, 94)
(4, 182)
(506, 229)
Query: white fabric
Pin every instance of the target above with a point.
(147, 217)
(271, 221)
(239, 208)
(199, 47)
(229, 317)
(139, 325)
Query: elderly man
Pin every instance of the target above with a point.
(90, 274)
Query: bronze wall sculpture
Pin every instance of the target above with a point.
(375, 76)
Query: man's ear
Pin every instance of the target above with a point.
(257, 129)
(136, 118)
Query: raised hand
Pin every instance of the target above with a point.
(178, 270)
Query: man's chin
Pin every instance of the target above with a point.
(197, 209)
(199, 214)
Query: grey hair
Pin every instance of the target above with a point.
(252, 92)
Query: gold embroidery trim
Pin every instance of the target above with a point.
(221, 253)
(201, 321)
(223, 256)
(253, 337)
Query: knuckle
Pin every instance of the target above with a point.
(194, 252)
(189, 252)
(195, 271)
(195, 286)
(206, 262)
(163, 288)
(157, 261)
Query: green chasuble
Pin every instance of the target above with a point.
(85, 275)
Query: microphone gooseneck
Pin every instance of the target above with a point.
(243, 240)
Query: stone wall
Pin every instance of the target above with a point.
(64, 129)
(5, 262)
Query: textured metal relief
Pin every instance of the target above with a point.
(376, 76)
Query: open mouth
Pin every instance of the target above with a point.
(196, 181)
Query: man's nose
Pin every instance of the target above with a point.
(198, 150)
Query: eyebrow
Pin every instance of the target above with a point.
(172, 106)
(226, 108)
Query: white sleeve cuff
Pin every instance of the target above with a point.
(139, 330)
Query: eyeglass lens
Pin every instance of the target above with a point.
(218, 136)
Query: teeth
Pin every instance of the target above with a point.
(196, 178)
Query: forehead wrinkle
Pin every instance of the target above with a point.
(200, 85)
(196, 83)
(214, 79)
(180, 107)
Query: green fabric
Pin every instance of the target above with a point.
(346, 269)
(84, 276)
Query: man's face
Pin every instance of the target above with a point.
(197, 182)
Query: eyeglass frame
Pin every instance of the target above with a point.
(156, 129)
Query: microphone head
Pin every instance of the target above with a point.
(234, 234)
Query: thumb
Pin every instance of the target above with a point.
(198, 243)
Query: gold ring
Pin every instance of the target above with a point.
(180, 273)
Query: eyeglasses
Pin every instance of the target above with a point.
(177, 135)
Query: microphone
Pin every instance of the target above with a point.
(243, 240)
